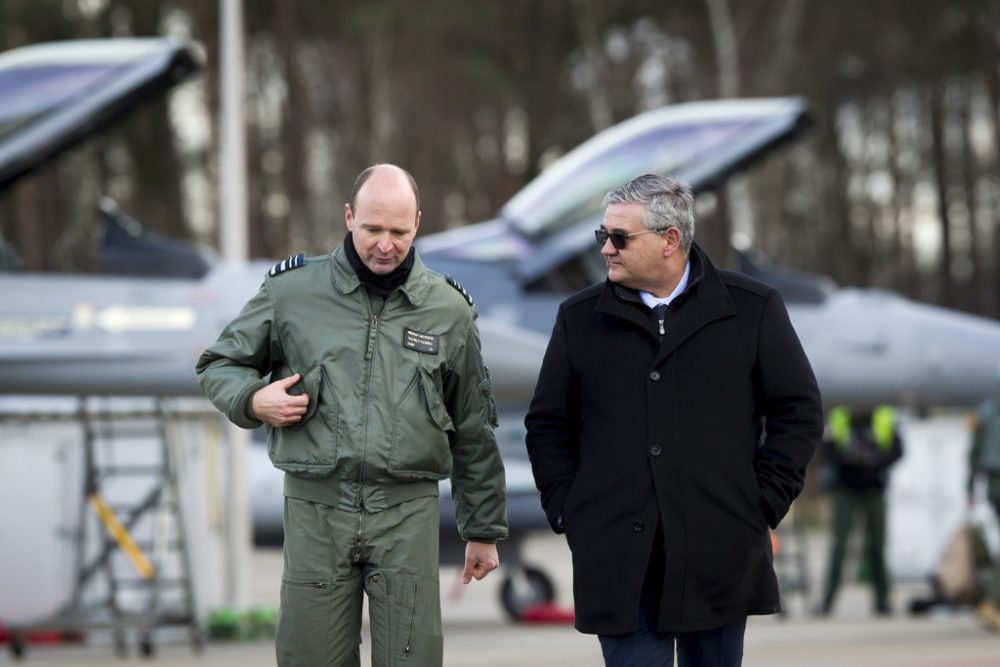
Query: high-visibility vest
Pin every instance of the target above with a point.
(883, 425)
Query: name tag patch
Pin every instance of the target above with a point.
(421, 342)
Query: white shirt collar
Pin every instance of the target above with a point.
(653, 301)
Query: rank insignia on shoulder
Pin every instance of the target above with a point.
(291, 262)
(461, 290)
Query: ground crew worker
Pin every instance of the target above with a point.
(858, 449)
(984, 460)
(377, 391)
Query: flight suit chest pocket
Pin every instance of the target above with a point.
(421, 431)
(309, 448)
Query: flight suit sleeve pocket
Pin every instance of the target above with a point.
(486, 393)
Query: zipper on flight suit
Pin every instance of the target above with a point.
(409, 628)
(366, 394)
(370, 349)
(356, 553)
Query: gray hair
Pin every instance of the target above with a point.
(669, 203)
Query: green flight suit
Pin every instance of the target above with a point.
(398, 400)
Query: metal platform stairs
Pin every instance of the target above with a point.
(132, 573)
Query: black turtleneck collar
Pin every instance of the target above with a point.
(380, 285)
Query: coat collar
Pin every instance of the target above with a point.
(705, 300)
(415, 288)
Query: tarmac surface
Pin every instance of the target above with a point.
(477, 634)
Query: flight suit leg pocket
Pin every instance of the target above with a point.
(406, 627)
(305, 622)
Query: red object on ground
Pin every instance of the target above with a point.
(547, 613)
(42, 636)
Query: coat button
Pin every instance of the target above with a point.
(638, 526)
(655, 450)
(654, 376)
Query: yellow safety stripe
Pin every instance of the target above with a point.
(121, 536)
(883, 425)
(839, 420)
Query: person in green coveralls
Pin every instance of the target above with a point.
(859, 449)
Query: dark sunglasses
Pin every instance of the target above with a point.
(619, 239)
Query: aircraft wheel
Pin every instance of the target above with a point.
(525, 587)
(121, 646)
(197, 641)
(17, 647)
(146, 646)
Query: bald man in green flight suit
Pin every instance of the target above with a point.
(377, 391)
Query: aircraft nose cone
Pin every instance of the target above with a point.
(871, 347)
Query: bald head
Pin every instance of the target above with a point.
(384, 170)
(383, 216)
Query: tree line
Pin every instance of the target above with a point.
(896, 186)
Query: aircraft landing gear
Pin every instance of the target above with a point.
(525, 587)
(17, 647)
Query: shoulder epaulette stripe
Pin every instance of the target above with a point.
(461, 290)
(290, 262)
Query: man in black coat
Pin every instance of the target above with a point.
(673, 419)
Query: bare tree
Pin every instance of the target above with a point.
(970, 185)
(295, 121)
(589, 20)
(939, 168)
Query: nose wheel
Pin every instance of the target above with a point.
(524, 588)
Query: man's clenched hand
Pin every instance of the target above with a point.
(480, 560)
(275, 406)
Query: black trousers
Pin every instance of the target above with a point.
(716, 647)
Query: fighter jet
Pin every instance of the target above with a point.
(141, 335)
(540, 248)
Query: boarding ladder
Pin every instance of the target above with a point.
(132, 573)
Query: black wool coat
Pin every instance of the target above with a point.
(708, 430)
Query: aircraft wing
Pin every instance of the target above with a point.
(57, 94)
(114, 335)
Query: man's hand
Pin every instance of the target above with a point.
(480, 560)
(273, 405)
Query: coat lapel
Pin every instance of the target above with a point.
(684, 322)
(624, 303)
